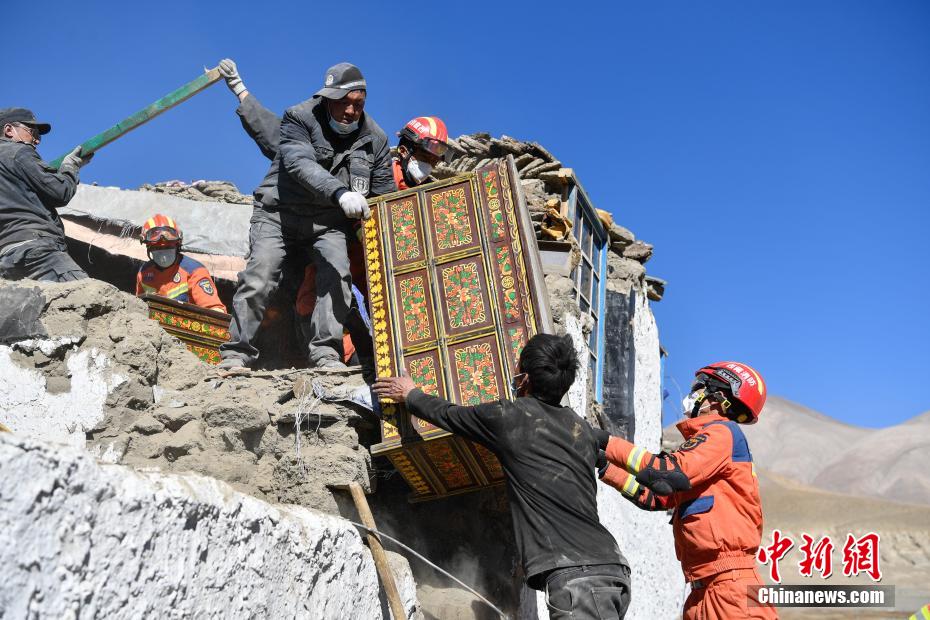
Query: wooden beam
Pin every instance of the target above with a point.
(180, 95)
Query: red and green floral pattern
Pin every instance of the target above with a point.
(423, 373)
(511, 304)
(453, 471)
(517, 337)
(464, 300)
(417, 324)
(450, 215)
(492, 193)
(474, 367)
(191, 325)
(406, 236)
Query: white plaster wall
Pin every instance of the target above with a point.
(26, 407)
(83, 540)
(578, 393)
(645, 538)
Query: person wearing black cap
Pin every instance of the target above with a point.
(331, 156)
(32, 236)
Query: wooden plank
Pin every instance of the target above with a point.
(146, 114)
(540, 300)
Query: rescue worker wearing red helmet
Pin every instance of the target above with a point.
(424, 142)
(170, 273)
(711, 484)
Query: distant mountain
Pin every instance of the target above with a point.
(890, 462)
(803, 445)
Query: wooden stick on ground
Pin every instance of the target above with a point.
(377, 550)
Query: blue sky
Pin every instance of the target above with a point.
(777, 154)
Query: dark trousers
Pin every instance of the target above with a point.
(276, 236)
(599, 592)
(43, 258)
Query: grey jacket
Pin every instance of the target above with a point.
(314, 165)
(31, 191)
(262, 125)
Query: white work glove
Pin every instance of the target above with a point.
(354, 206)
(233, 81)
(73, 161)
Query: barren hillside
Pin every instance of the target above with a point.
(803, 445)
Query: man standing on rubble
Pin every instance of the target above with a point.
(710, 482)
(548, 453)
(423, 142)
(32, 235)
(330, 157)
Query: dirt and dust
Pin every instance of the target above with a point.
(170, 411)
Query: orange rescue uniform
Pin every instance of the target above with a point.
(717, 523)
(187, 281)
(398, 175)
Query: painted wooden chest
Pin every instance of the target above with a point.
(455, 290)
(202, 330)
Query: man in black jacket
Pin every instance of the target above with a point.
(548, 453)
(330, 157)
(32, 236)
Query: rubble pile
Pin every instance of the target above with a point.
(544, 179)
(204, 191)
(140, 398)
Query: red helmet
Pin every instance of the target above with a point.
(161, 230)
(741, 383)
(428, 133)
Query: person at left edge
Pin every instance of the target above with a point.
(170, 273)
(32, 235)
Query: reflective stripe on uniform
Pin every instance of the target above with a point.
(635, 462)
(177, 291)
(631, 487)
(921, 614)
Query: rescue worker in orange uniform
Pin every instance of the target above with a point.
(424, 142)
(171, 274)
(710, 482)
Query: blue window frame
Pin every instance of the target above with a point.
(589, 277)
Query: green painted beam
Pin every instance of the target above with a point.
(146, 114)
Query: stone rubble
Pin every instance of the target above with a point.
(157, 405)
(204, 191)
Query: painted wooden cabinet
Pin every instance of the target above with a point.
(455, 292)
(200, 329)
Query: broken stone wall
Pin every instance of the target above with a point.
(84, 540)
(93, 366)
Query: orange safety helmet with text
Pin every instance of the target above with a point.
(742, 385)
(428, 133)
(161, 230)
